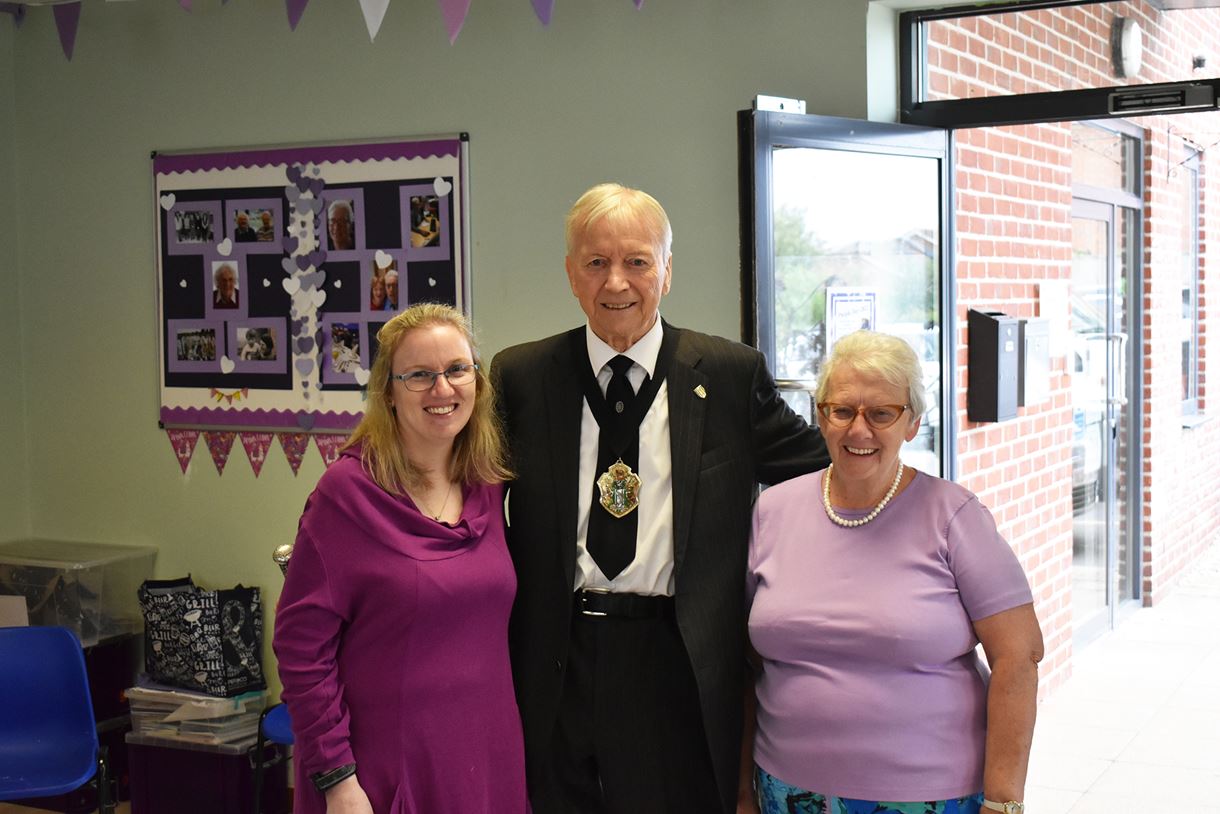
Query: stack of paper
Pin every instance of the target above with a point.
(191, 716)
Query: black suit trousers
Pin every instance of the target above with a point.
(630, 736)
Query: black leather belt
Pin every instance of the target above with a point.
(597, 603)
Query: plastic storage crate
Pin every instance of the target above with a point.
(89, 588)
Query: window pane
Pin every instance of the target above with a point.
(1186, 186)
(1053, 49)
(856, 245)
(1103, 158)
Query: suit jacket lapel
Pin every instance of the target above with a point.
(564, 407)
(686, 410)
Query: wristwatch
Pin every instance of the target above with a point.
(1010, 807)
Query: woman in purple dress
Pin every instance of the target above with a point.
(392, 628)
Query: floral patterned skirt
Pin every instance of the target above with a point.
(777, 797)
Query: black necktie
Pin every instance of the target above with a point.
(611, 540)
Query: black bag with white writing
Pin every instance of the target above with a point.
(207, 641)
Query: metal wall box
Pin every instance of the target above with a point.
(993, 362)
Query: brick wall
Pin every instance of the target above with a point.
(1013, 199)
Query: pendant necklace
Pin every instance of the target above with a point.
(843, 521)
(427, 511)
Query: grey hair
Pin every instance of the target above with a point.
(887, 357)
(619, 205)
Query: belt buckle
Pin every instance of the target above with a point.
(584, 611)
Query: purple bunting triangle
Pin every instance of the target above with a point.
(454, 12)
(186, 4)
(67, 17)
(295, 9)
(638, 4)
(543, 9)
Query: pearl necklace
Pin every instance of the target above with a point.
(843, 521)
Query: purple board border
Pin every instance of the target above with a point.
(279, 420)
(346, 153)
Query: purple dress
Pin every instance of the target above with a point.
(392, 640)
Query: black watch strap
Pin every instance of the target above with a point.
(324, 780)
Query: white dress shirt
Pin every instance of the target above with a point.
(652, 570)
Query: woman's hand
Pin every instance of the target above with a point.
(347, 797)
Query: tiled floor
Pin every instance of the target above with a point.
(1137, 727)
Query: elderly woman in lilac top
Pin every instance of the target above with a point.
(870, 584)
(392, 628)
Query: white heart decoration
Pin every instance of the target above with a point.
(266, 283)
(182, 283)
(383, 259)
(432, 281)
(226, 364)
(362, 376)
(318, 296)
(442, 187)
(338, 284)
(168, 200)
(291, 284)
(224, 247)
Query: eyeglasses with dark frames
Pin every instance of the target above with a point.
(877, 416)
(423, 380)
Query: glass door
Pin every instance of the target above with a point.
(844, 227)
(1105, 251)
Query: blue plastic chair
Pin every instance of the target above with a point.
(48, 737)
(274, 727)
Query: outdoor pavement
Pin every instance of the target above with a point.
(1137, 726)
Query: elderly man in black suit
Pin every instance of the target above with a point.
(638, 449)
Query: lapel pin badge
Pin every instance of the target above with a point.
(700, 392)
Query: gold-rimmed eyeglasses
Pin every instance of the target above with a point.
(877, 416)
(423, 380)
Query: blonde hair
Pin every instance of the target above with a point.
(621, 206)
(478, 451)
(887, 357)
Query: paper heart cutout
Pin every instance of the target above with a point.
(290, 244)
(182, 283)
(317, 257)
(318, 297)
(305, 344)
(304, 366)
(313, 279)
(316, 186)
(302, 262)
(224, 247)
(316, 170)
(362, 376)
(305, 421)
(432, 281)
(168, 200)
(298, 325)
(266, 283)
(442, 187)
(287, 265)
(315, 205)
(292, 193)
(382, 259)
(226, 365)
(338, 284)
(293, 173)
(291, 284)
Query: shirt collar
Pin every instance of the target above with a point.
(644, 352)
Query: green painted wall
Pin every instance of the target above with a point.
(14, 475)
(647, 98)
